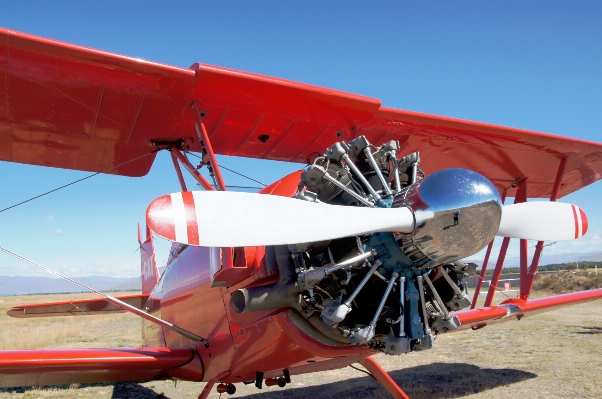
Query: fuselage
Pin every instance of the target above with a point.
(194, 293)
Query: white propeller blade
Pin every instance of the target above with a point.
(233, 219)
(543, 221)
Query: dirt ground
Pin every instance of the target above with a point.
(552, 355)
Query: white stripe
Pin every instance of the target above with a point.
(579, 222)
(179, 217)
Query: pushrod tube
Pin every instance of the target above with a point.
(360, 176)
(425, 319)
(381, 305)
(351, 261)
(377, 170)
(362, 283)
(437, 297)
(350, 192)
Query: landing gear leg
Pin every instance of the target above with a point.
(381, 376)
(207, 390)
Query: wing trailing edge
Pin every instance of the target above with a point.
(80, 307)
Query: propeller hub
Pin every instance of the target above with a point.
(457, 212)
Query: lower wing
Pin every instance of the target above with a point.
(516, 309)
(66, 366)
(79, 307)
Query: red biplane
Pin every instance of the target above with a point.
(358, 253)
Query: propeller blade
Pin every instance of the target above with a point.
(235, 219)
(543, 221)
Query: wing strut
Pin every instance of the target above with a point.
(527, 272)
(208, 158)
(521, 196)
(178, 171)
(539, 246)
(191, 169)
(207, 149)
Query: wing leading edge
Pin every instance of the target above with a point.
(516, 309)
(73, 107)
(66, 366)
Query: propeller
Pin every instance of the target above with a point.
(235, 219)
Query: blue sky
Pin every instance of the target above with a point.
(533, 65)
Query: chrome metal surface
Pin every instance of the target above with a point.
(402, 289)
(378, 172)
(511, 310)
(360, 176)
(434, 201)
(350, 261)
(451, 282)
(437, 297)
(425, 319)
(375, 266)
(384, 299)
(350, 192)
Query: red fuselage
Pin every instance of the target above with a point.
(194, 293)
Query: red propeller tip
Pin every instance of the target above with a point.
(580, 221)
(174, 217)
(584, 224)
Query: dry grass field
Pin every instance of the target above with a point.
(552, 355)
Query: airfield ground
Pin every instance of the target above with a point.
(552, 355)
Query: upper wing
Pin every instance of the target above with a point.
(66, 366)
(73, 107)
(76, 308)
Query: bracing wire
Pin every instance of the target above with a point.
(79, 180)
(117, 302)
(235, 172)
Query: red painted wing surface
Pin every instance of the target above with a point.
(65, 366)
(76, 308)
(74, 107)
(515, 309)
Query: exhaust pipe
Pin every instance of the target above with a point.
(278, 295)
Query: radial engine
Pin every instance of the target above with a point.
(392, 291)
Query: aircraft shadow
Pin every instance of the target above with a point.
(590, 330)
(434, 381)
(124, 390)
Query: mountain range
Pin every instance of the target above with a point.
(21, 285)
(549, 259)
